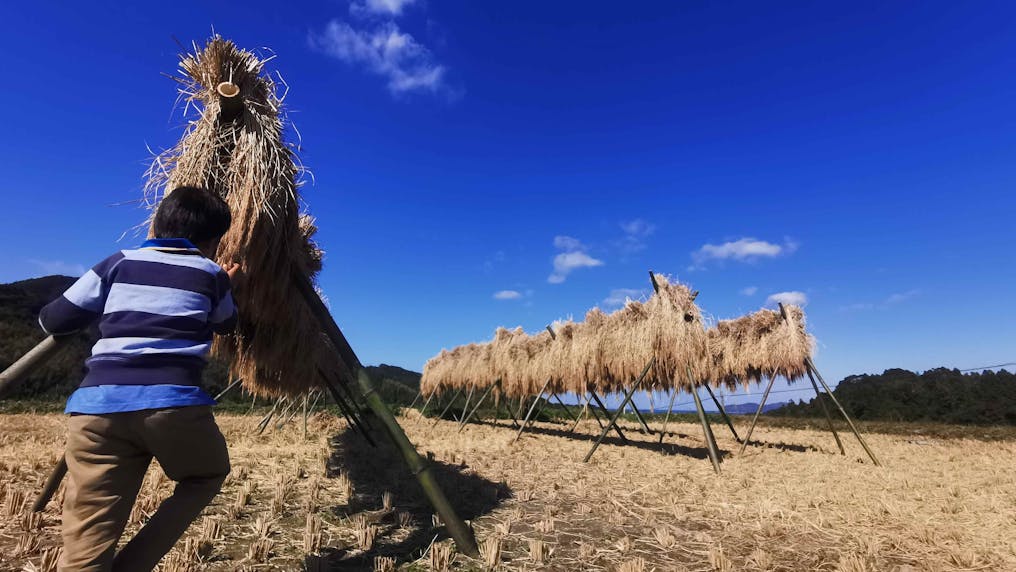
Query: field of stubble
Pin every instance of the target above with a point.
(332, 502)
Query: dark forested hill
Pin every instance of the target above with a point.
(20, 303)
(937, 395)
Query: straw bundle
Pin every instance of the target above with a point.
(760, 345)
(606, 352)
(235, 147)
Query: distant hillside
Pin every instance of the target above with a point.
(20, 303)
(397, 386)
(937, 395)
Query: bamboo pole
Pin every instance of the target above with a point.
(714, 454)
(525, 422)
(35, 357)
(754, 420)
(825, 410)
(479, 402)
(426, 403)
(620, 410)
(228, 388)
(673, 395)
(565, 407)
(447, 407)
(52, 484)
(811, 366)
(723, 412)
(606, 415)
(460, 533)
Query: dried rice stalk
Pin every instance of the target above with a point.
(757, 346)
(277, 347)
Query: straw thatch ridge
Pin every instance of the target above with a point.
(760, 345)
(606, 352)
(277, 348)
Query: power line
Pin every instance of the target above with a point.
(984, 367)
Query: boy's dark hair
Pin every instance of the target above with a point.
(192, 213)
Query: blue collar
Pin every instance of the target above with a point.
(168, 243)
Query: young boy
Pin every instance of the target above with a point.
(141, 398)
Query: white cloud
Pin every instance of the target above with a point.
(48, 267)
(635, 234)
(619, 296)
(745, 250)
(901, 297)
(793, 297)
(568, 243)
(507, 295)
(385, 51)
(565, 262)
(749, 291)
(892, 300)
(638, 227)
(378, 7)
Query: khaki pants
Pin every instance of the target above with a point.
(107, 457)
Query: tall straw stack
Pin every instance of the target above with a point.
(760, 345)
(235, 147)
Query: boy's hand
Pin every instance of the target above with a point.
(235, 275)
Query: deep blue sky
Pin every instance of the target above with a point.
(863, 151)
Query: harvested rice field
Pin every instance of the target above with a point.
(791, 502)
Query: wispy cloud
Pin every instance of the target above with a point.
(793, 297)
(573, 258)
(384, 50)
(378, 7)
(743, 250)
(635, 234)
(507, 295)
(749, 291)
(891, 300)
(48, 267)
(619, 296)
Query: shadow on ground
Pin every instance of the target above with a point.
(637, 439)
(374, 471)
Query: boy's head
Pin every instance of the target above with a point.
(198, 215)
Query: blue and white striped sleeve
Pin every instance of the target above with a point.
(82, 303)
(223, 316)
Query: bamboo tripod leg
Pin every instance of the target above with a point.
(306, 411)
(462, 534)
(52, 484)
(447, 407)
(641, 419)
(531, 408)
(754, 420)
(707, 431)
(606, 415)
(426, 403)
(512, 416)
(710, 439)
(479, 402)
(415, 399)
(811, 366)
(585, 409)
(263, 424)
(565, 408)
(723, 412)
(825, 410)
(620, 410)
(227, 390)
(673, 395)
(465, 408)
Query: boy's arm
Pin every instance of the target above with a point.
(82, 303)
(223, 316)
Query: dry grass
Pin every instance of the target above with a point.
(939, 504)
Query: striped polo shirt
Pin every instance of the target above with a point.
(157, 307)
